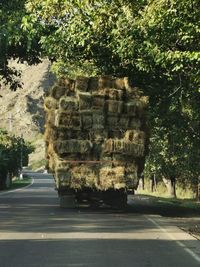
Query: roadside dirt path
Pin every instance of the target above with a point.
(187, 219)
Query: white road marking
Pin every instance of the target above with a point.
(172, 237)
(18, 189)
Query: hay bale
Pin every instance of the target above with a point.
(50, 133)
(114, 94)
(135, 136)
(63, 178)
(68, 104)
(121, 146)
(57, 91)
(123, 122)
(63, 133)
(106, 161)
(68, 120)
(98, 102)
(135, 123)
(50, 103)
(67, 83)
(93, 84)
(97, 150)
(119, 159)
(127, 85)
(73, 147)
(85, 100)
(81, 84)
(131, 176)
(98, 120)
(66, 134)
(144, 101)
(119, 84)
(50, 118)
(103, 92)
(98, 135)
(115, 133)
(131, 108)
(112, 121)
(50, 148)
(112, 178)
(105, 82)
(83, 176)
(61, 165)
(86, 120)
(114, 106)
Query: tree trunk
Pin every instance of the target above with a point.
(171, 185)
(152, 184)
(141, 183)
(198, 192)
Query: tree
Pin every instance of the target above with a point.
(154, 42)
(11, 149)
(14, 43)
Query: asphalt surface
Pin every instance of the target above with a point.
(36, 232)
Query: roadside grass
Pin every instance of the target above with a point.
(174, 202)
(18, 183)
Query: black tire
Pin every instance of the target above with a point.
(115, 198)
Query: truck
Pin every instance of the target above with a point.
(96, 139)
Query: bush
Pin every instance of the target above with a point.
(14, 153)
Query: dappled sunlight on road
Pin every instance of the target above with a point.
(31, 220)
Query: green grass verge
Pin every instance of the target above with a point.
(173, 202)
(20, 183)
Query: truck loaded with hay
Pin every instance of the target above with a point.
(96, 139)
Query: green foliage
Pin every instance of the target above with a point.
(14, 43)
(156, 43)
(11, 150)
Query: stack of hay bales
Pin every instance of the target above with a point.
(95, 133)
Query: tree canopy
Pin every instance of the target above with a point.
(13, 152)
(14, 43)
(155, 42)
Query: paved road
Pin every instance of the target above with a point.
(35, 232)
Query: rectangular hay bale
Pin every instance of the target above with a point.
(50, 103)
(114, 106)
(112, 178)
(68, 104)
(98, 119)
(135, 136)
(86, 120)
(112, 121)
(50, 118)
(114, 94)
(68, 120)
(121, 146)
(98, 102)
(131, 108)
(83, 176)
(134, 123)
(93, 84)
(57, 91)
(73, 146)
(81, 83)
(85, 100)
(123, 122)
(98, 135)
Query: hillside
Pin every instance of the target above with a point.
(22, 111)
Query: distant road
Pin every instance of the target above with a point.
(35, 232)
